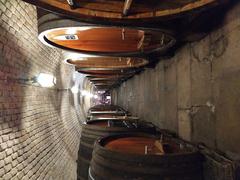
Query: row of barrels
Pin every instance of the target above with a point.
(120, 37)
(115, 145)
(106, 55)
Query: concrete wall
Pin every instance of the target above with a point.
(196, 92)
(39, 128)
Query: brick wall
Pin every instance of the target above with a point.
(39, 128)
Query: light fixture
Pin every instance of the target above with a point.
(100, 92)
(74, 89)
(84, 93)
(43, 79)
(74, 76)
(46, 80)
(88, 94)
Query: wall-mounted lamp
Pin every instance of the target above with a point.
(46, 80)
(101, 92)
(43, 79)
(74, 89)
(88, 94)
(85, 93)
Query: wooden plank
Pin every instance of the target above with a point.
(123, 34)
(140, 44)
(144, 41)
(159, 145)
(127, 6)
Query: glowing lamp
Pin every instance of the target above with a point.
(46, 80)
(74, 89)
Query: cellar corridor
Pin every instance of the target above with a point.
(175, 75)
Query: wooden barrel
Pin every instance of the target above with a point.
(121, 12)
(111, 110)
(106, 111)
(103, 80)
(104, 107)
(118, 78)
(97, 114)
(113, 73)
(76, 36)
(108, 87)
(106, 62)
(107, 117)
(108, 71)
(100, 128)
(145, 157)
(102, 88)
(114, 76)
(128, 117)
(105, 83)
(96, 79)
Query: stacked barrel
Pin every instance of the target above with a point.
(115, 145)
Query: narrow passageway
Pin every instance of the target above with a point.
(120, 89)
(194, 93)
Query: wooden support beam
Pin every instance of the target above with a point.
(144, 41)
(140, 44)
(123, 34)
(159, 146)
(72, 4)
(127, 6)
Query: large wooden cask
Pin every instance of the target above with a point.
(126, 12)
(93, 130)
(72, 35)
(144, 157)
